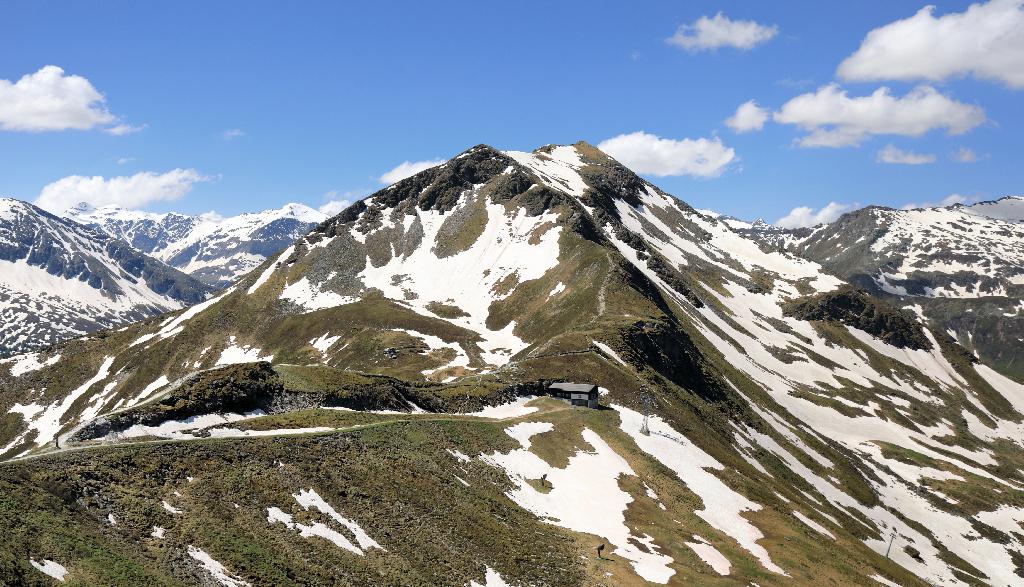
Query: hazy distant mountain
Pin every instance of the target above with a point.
(214, 249)
(1010, 208)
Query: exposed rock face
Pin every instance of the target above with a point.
(856, 308)
(250, 387)
(59, 279)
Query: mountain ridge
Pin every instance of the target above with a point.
(212, 248)
(959, 267)
(774, 439)
(63, 279)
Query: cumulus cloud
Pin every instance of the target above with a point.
(986, 41)
(408, 169)
(834, 119)
(49, 100)
(965, 155)
(892, 154)
(947, 201)
(721, 31)
(232, 133)
(133, 191)
(334, 207)
(805, 216)
(337, 201)
(652, 155)
(749, 116)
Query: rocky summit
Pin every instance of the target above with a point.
(370, 405)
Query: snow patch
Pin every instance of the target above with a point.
(610, 352)
(513, 409)
(234, 354)
(50, 568)
(492, 578)
(324, 342)
(21, 364)
(710, 555)
(814, 525)
(219, 572)
(309, 499)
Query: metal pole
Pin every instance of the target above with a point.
(891, 539)
(645, 399)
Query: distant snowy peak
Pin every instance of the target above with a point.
(60, 279)
(214, 249)
(1010, 208)
(146, 231)
(952, 252)
(961, 266)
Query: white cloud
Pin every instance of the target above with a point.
(407, 169)
(124, 129)
(892, 154)
(652, 155)
(232, 133)
(49, 100)
(805, 216)
(947, 201)
(124, 160)
(965, 155)
(337, 201)
(133, 191)
(721, 31)
(211, 217)
(334, 207)
(833, 119)
(986, 41)
(749, 116)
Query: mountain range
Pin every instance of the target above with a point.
(960, 267)
(215, 250)
(59, 279)
(368, 405)
(97, 268)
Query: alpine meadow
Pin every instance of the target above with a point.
(545, 294)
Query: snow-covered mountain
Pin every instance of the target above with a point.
(803, 431)
(962, 267)
(214, 249)
(59, 279)
(1010, 208)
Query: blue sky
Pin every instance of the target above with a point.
(326, 98)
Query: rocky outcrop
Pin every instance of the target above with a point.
(858, 309)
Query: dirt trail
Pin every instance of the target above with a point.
(543, 407)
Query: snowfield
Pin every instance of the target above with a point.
(587, 485)
(722, 505)
(504, 249)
